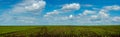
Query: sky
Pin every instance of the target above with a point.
(59, 12)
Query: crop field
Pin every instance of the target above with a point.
(59, 31)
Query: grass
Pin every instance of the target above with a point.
(60, 31)
(7, 29)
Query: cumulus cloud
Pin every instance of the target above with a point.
(29, 5)
(99, 16)
(71, 7)
(113, 7)
(21, 13)
(87, 12)
(116, 19)
(65, 8)
(104, 12)
(52, 13)
(63, 16)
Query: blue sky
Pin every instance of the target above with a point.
(59, 12)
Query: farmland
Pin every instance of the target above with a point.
(59, 31)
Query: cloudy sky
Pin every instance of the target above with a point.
(59, 12)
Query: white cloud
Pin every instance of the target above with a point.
(29, 5)
(52, 13)
(99, 16)
(71, 7)
(103, 16)
(65, 8)
(116, 19)
(17, 16)
(103, 13)
(94, 16)
(60, 16)
(87, 12)
(113, 7)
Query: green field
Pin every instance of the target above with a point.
(59, 31)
